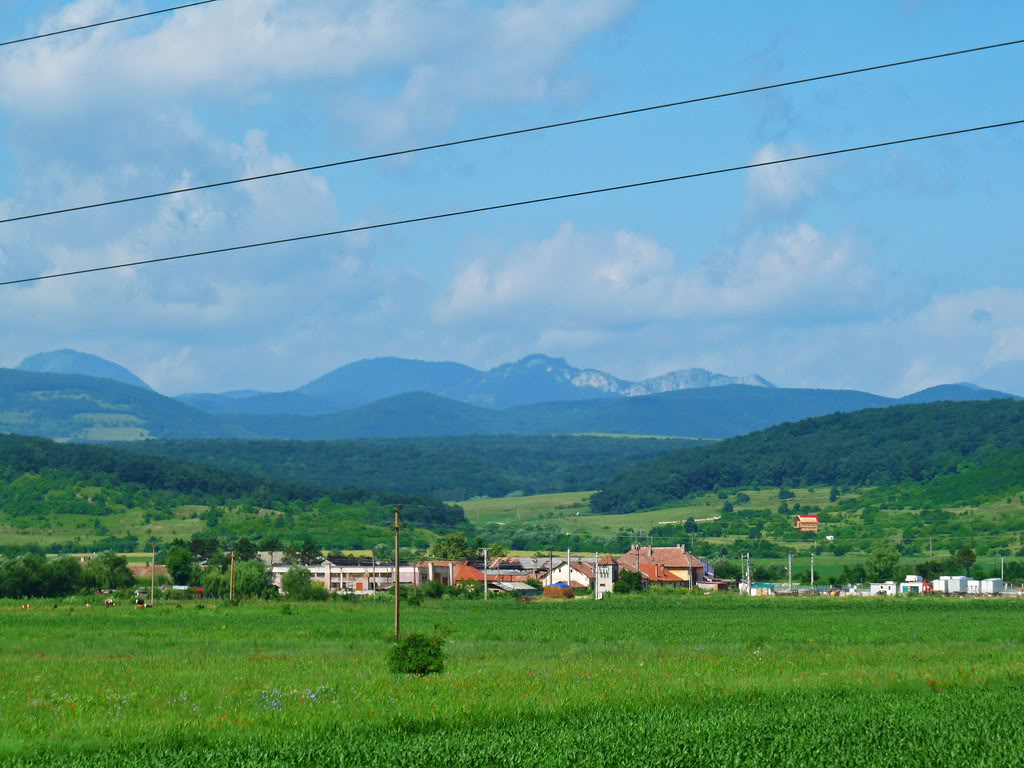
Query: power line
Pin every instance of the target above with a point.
(516, 204)
(105, 23)
(505, 134)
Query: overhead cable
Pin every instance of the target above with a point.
(505, 134)
(105, 23)
(516, 204)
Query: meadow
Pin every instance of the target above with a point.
(652, 679)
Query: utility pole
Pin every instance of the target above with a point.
(485, 573)
(812, 569)
(568, 567)
(152, 578)
(1002, 563)
(231, 582)
(597, 579)
(397, 575)
(551, 565)
(373, 572)
(791, 571)
(929, 547)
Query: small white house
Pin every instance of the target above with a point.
(914, 585)
(883, 588)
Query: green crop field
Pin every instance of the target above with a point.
(653, 680)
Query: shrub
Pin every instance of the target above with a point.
(432, 589)
(417, 654)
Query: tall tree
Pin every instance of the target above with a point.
(245, 550)
(310, 553)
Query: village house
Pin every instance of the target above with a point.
(806, 523)
(677, 566)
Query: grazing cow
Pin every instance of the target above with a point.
(108, 603)
(26, 607)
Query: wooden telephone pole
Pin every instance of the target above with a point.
(231, 587)
(152, 577)
(397, 591)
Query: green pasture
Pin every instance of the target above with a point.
(565, 506)
(525, 508)
(656, 679)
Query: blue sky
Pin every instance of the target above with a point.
(888, 271)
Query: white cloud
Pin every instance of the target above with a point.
(444, 55)
(783, 185)
(625, 277)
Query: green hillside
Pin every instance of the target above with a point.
(871, 447)
(451, 468)
(74, 407)
(74, 497)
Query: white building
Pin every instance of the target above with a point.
(883, 588)
(914, 585)
(950, 585)
(991, 586)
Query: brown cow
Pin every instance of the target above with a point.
(26, 607)
(108, 603)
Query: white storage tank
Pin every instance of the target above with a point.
(991, 586)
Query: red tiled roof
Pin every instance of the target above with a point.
(466, 572)
(657, 573)
(670, 557)
(582, 566)
(807, 517)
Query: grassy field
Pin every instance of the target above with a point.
(565, 506)
(656, 680)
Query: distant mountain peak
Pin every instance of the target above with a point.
(81, 363)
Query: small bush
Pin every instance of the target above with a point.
(417, 654)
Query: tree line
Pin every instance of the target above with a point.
(880, 447)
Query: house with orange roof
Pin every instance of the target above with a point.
(806, 523)
(674, 563)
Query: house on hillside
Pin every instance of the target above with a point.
(806, 523)
(674, 561)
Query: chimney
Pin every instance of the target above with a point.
(682, 547)
(650, 551)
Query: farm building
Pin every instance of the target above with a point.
(883, 588)
(806, 523)
(713, 585)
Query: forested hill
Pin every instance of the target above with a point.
(203, 485)
(870, 447)
(451, 468)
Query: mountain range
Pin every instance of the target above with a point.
(69, 406)
(534, 379)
